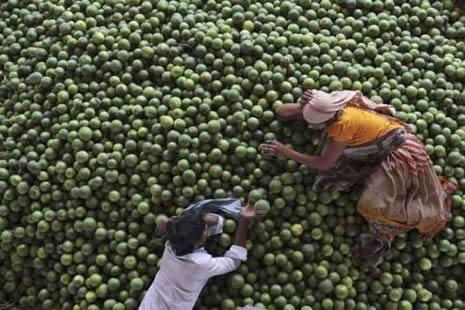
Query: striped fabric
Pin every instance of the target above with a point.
(404, 193)
(358, 162)
(401, 190)
(413, 154)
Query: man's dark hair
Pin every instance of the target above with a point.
(185, 230)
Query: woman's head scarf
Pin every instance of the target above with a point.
(319, 106)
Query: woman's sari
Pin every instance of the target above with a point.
(401, 189)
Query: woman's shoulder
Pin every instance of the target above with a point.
(350, 111)
(353, 116)
(346, 117)
(345, 126)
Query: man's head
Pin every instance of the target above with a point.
(187, 232)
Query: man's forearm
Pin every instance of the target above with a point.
(241, 234)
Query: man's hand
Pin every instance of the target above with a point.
(248, 213)
(161, 225)
(211, 219)
(275, 148)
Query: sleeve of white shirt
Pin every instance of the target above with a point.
(218, 228)
(229, 262)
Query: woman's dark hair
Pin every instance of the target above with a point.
(185, 230)
(369, 248)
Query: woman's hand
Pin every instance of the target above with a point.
(275, 148)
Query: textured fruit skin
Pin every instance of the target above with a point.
(262, 207)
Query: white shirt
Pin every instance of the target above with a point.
(180, 279)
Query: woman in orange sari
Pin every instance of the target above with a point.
(364, 143)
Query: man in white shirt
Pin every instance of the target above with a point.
(186, 266)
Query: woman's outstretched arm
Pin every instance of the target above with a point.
(291, 111)
(331, 153)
